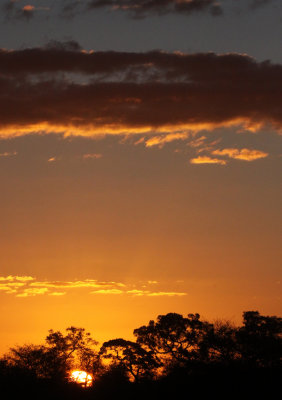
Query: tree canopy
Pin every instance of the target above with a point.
(171, 346)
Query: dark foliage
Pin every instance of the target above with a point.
(173, 357)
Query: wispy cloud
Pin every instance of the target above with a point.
(16, 278)
(5, 288)
(108, 291)
(92, 156)
(23, 287)
(169, 294)
(207, 160)
(57, 293)
(32, 292)
(136, 292)
(28, 10)
(241, 154)
(10, 288)
(197, 142)
(136, 9)
(52, 159)
(144, 8)
(87, 283)
(8, 154)
(16, 9)
(160, 141)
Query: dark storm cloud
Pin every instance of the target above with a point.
(143, 8)
(135, 91)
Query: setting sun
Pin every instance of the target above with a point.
(140, 199)
(81, 377)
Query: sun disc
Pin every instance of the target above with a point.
(81, 377)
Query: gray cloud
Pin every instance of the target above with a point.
(137, 9)
(19, 10)
(144, 8)
(117, 91)
(134, 8)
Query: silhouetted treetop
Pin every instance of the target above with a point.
(58, 356)
(175, 338)
(174, 351)
(260, 339)
(137, 361)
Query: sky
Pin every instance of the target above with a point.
(140, 163)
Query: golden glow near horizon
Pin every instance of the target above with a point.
(140, 174)
(110, 242)
(81, 377)
(142, 198)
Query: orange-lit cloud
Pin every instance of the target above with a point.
(108, 291)
(14, 284)
(32, 292)
(28, 8)
(198, 142)
(136, 292)
(169, 294)
(16, 278)
(241, 154)
(9, 287)
(52, 159)
(14, 9)
(57, 293)
(87, 283)
(30, 287)
(126, 93)
(8, 154)
(160, 141)
(92, 156)
(207, 160)
(5, 288)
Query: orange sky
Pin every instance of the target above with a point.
(111, 241)
(133, 181)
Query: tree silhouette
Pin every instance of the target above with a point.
(174, 339)
(58, 356)
(170, 355)
(260, 339)
(73, 350)
(223, 346)
(38, 360)
(135, 360)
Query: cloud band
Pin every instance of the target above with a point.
(115, 92)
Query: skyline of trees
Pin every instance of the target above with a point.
(174, 356)
(172, 341)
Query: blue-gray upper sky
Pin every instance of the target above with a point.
(245, 26)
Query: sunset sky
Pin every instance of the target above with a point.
(140, 163)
